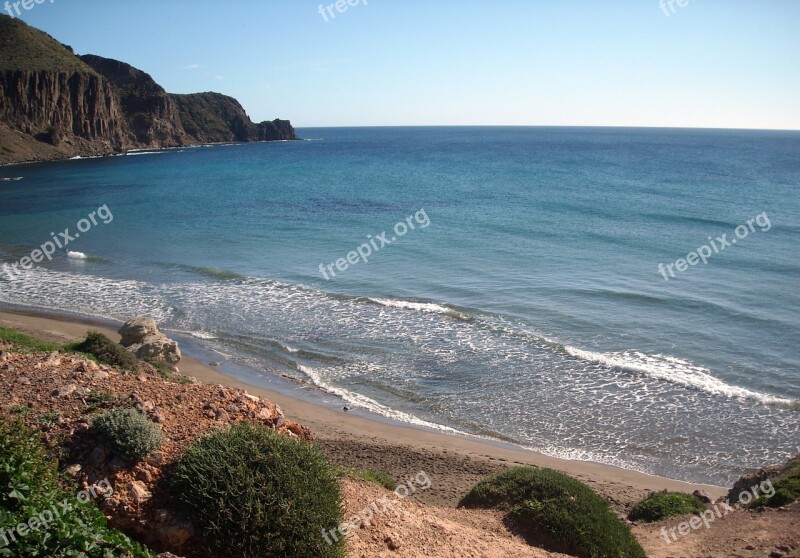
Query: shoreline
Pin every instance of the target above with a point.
(360, 440)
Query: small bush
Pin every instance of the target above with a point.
(104, 400)
(254, 493)
(661, 505)
(48, 420)
(106, 351)
(555, 509)
(786, 491)
(128, 433)
(378, 477)
(31, 489)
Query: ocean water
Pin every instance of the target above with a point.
(526, 303)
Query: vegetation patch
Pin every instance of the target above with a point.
(787, 489)
(25, 343)
(106, 351)
(31, 490)
(556, 510)
(128, 433)
(661, 505)
(254, 493)
(377, 477)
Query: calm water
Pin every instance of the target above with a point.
(529, 307)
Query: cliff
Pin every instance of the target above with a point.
(150, 113)
(214, 118)
(56, 105)
(51, 104)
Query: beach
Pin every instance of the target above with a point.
(454, 463)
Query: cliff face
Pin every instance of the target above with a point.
(213, 118)
(55, 105)
(150, 113)
(52, 106)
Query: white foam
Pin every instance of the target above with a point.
(132, 153)
(676, 371)
(407, 305)
(358, 400)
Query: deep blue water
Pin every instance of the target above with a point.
(526, 303)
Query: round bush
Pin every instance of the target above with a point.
(660, 505)
(106, 351)
(253, 493)
(128, 433)
(557, 510)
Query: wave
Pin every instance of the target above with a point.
(132, 153)
(364, 402)
(676, 371)
(429, 307)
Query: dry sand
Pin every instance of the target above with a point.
(453, 463)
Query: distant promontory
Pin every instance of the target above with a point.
(56, 105)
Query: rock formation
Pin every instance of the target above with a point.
(56, 105)
(142, 337)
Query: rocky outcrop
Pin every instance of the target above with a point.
(151, 114)
(142, 337)
(55, 105)
(217, 118)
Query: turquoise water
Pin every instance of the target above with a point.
(525, 304)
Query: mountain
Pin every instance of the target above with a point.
(56, 105)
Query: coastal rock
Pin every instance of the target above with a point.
(142, 337)
(703, 496)
(139, 492)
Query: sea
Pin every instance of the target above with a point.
(620, 295)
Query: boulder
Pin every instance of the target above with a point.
(703, 496)
(142, 337)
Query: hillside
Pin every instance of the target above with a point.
(56, 105)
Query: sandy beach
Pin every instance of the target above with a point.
(454, 463)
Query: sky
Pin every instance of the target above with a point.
(698, 63)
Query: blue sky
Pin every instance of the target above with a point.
(711, 63)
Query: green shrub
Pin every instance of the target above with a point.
(30, 490)
(555, 509)
(786, 491)
(660, 505)
(128, 433)
(48, 420)
(254, 493)
(106, 351)
(104, 400)
(378, 477)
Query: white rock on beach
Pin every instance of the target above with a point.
(142, 337)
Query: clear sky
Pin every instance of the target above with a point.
(710, 63)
